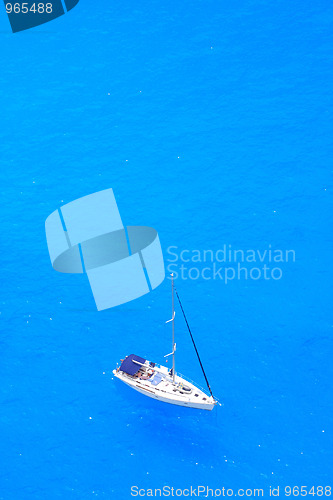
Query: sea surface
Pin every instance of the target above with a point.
(212, 122)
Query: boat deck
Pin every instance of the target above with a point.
(156, 382)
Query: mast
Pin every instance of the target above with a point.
(173, 330)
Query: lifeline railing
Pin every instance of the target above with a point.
(199, 387)
(194, 383)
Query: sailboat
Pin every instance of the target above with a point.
(158, 382)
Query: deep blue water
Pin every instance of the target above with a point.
(212, 122)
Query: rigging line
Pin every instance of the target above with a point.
(195, 347)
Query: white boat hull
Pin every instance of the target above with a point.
(167, 391)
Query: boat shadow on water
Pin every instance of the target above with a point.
(187, 431)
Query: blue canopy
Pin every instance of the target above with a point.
(129, 367)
